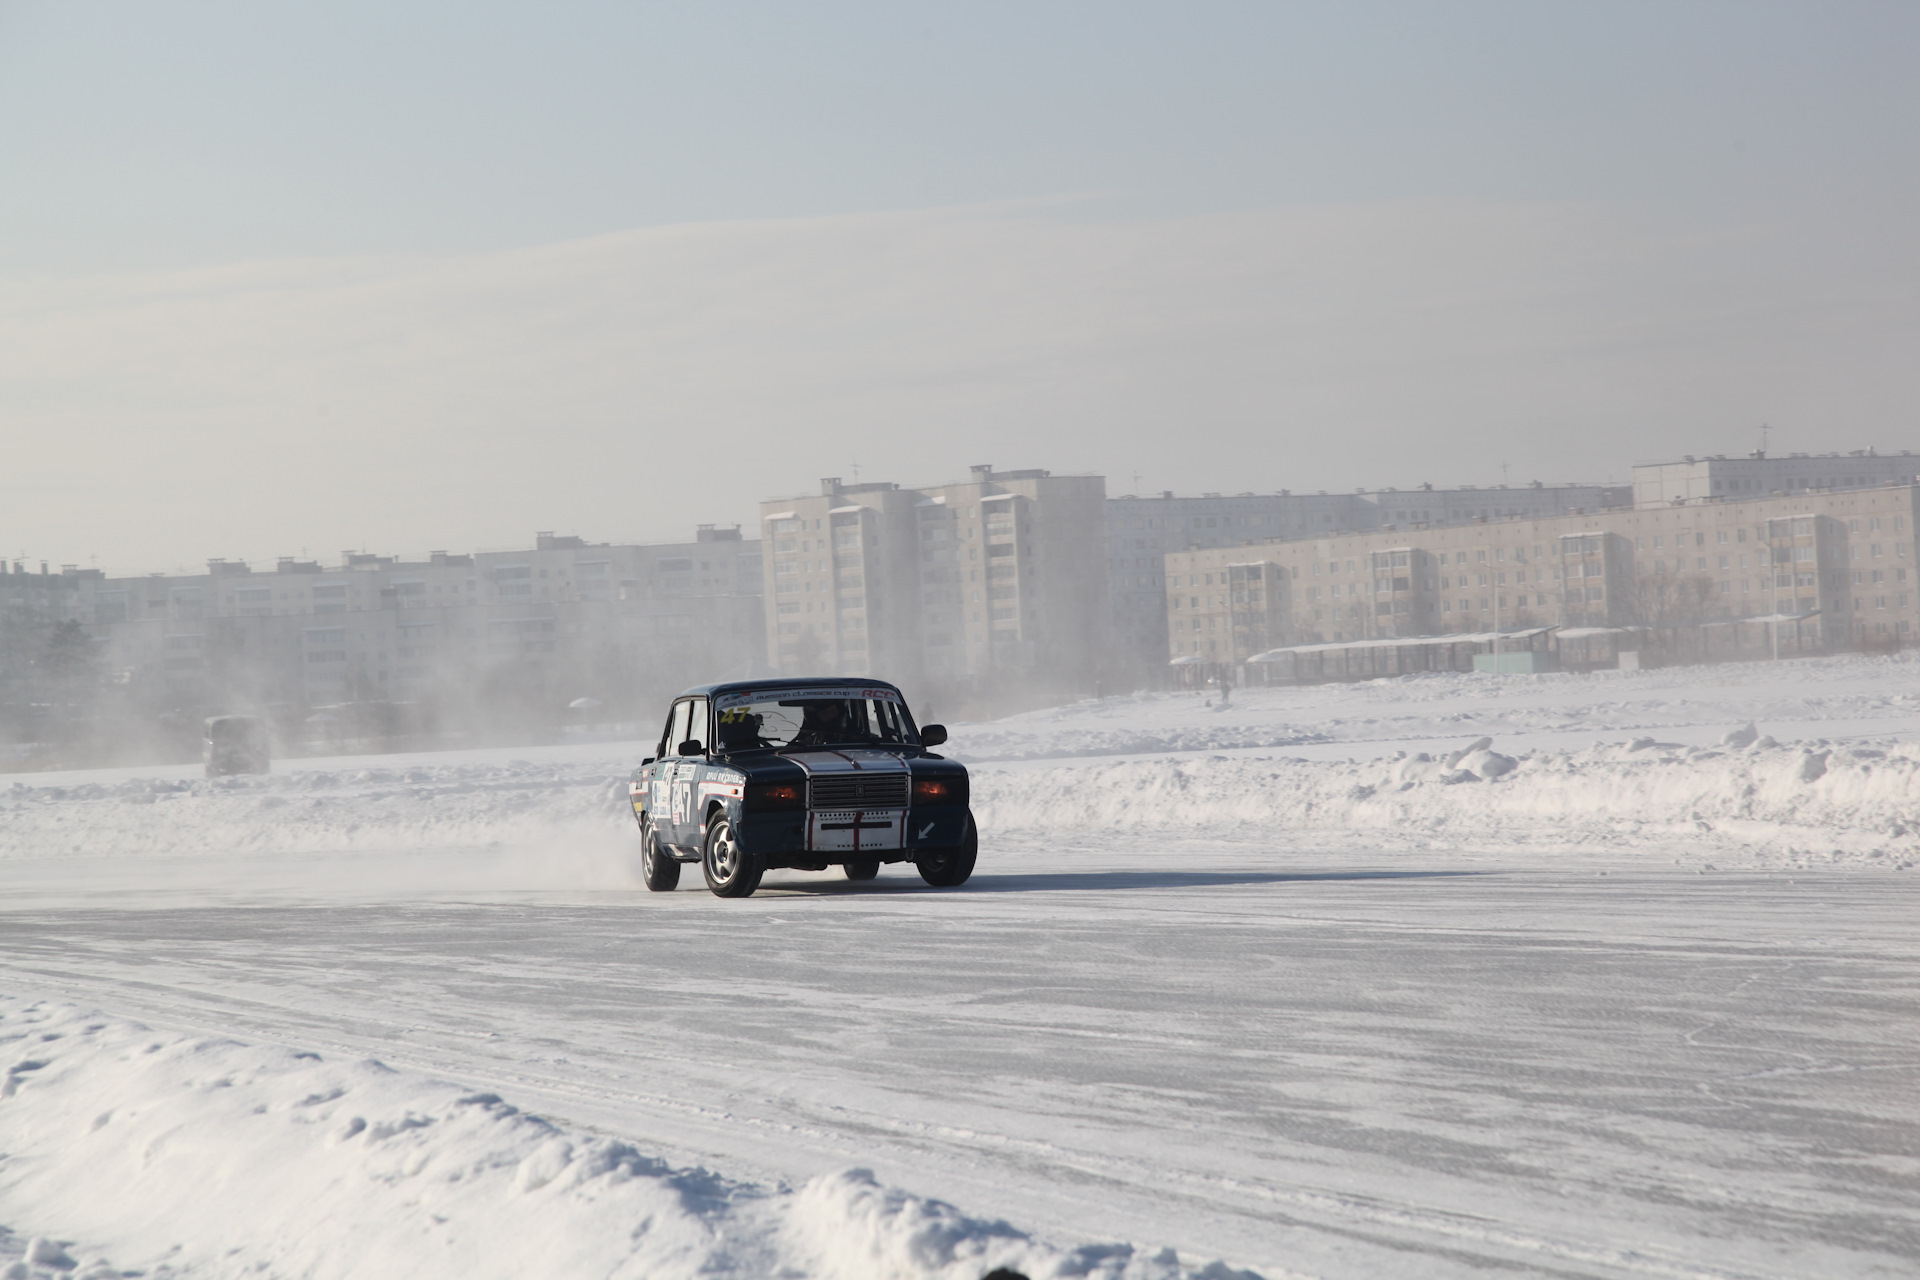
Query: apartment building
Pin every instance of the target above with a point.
(1827, 569)
(1756, 475)
(32, 607)
(959, 586)
(839, 575)
(1016, 587)
(1141, 531)
(449, 628)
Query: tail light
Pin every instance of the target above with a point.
(762, 796)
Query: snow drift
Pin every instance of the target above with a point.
(135, 1149)
(1861, 802)
(1855, 801)
(440, 805)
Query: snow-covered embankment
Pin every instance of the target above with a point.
(131, 1148)
(1852, 803)
(1856, 803)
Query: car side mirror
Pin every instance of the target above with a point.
(932, 735)
(692, 747)
(644, 763)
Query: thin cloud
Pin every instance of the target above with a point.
(630, 385)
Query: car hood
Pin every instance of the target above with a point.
(847, 760)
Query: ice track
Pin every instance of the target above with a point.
(1613, 1011)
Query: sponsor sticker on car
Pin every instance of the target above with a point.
(810, 694)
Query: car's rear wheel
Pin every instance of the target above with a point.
(731, 871)
(861, 868)
(659, 872)
(945, 868)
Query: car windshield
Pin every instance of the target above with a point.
(812, 722)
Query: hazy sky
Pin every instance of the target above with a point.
(278, 278)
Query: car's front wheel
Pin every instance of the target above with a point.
(731, 871)
(861, 868)
(659, 872)
(945, 868)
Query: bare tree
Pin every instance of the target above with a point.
(1674, 606)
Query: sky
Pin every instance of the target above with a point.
(294, 279)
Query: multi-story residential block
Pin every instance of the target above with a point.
(992, 581)
(1020, 589)
(1142, 530)
(1593, 578)
(1821, 570)
(468, 636)
(1755, 475)
(840, 574)
(34, 609)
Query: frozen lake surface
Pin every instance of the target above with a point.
(1319, 1009)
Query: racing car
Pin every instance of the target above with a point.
(805, 773)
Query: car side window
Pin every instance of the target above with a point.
(677, 734)
(695, 726)
(668, 743)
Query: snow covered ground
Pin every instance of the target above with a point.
(1318, 983)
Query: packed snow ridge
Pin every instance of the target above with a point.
(1857, 802)
(178, 1155)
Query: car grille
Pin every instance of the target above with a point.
(859, 791)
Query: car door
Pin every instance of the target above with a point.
(690, 727)
(665, 766)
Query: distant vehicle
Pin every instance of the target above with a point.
(236, 744)
(809, 773)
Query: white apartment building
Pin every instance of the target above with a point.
(999, 577)
(1756, 475)
(1827, 570)
(32, 605)
(1142, 531)
(376, 628)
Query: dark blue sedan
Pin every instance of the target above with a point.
(805, 773)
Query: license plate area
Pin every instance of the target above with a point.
(855, 830)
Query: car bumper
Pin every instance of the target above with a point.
(826, 836)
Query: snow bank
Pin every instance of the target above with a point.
(438, 806)
(185, 1155)
(1853, 802)
(1860, 802)
(993, 744)
(1155, 762)
(849, 1227)
(1801, 698)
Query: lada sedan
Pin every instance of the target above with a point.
(807, 773)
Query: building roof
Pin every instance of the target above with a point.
(1582, 633)
(1400, 642)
